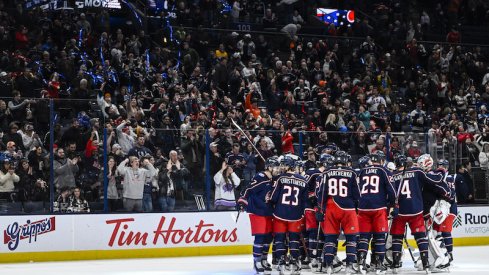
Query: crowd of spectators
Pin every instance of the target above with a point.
(161, 103)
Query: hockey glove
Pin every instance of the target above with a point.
(313, 200)
(319, 216)
(242, 205)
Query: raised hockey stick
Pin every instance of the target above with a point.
(244, 134)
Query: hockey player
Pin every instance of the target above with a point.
(325, 160)
(410, 182)
(288, 198)
(260, 213)
(377, 192)
(338, 192)
(446, 227)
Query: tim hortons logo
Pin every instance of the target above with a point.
(169, 233)
(30, 230)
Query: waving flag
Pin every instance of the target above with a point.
(336, 17)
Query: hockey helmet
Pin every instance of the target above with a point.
(272, 162)
(425, 162)
(341, 157)
(444, 163)
(400, 160)
(326, 160)
(364, 161)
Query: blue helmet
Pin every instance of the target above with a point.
(288, 161)
(377, 157)
(400, 160)
(341, 157)
(363, 161)
(272, 162)
(444, 163)
(332, 147)
(326, 160)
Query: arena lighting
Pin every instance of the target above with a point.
(336, 17)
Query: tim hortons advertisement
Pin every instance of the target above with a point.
(125, 231)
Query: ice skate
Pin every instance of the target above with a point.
(349, 269)
(266, 266)
(295, 269)
(281, 267)
(258, 267)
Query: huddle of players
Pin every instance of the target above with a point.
(296, 208)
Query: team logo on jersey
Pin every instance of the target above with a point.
(30, 230)
(458, 220)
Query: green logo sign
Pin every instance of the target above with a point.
(458, 220)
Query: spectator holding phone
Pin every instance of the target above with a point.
(134, 179)
(226, 182)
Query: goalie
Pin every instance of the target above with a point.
(440, 213)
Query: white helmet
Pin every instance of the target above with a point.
(425, 162)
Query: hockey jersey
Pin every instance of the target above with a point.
(255, 195)
(377, 189)
(289, 197)
(450, 179)
(409, 185)
(311, 177)
(340, 184)
(440, 190)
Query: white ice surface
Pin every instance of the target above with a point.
(468, 260)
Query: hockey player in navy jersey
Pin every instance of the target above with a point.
(445, 227)
(377, 193)
(261, 214)
(410, 182)
(288, 198)
(338, 194)
(325, 160)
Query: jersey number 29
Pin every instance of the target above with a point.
(372, 181)
(290, 195)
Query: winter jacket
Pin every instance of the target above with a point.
(7, 181)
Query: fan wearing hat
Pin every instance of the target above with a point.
(414, 151)
(13, 135)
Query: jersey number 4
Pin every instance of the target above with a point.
(372, 181)
(290, 195)
(405, 189)
(338, 187)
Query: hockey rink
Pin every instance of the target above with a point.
(468, 260)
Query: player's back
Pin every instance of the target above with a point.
(289, 197)
(376, 188)
(256, 193)
(311, 177)
(410, 186)
(340, 184)
(438, 190)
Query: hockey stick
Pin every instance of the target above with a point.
(319, 225)
(242, 132)
(409, 247)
